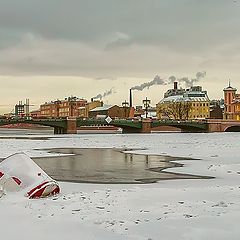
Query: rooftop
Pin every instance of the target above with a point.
(182, 98)
(103, 108)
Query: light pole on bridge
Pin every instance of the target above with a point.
(125, 105)
(146, 104)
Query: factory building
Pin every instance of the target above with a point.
(112, 111)
(62, 108)
(84, 110)
(183, 104)
(22, 109)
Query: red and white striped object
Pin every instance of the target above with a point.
(19, 172)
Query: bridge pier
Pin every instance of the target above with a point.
(215, 127)
(146, 125)
(71, 125)
(59, 130)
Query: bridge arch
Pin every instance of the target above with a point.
(232, 129)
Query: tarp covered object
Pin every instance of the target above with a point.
(19, 172)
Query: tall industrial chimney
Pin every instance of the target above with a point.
(130, 98)
(175, 85)
(27, 107)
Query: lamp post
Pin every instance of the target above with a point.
(125, 105)
(146, 103)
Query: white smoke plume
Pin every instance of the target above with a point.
(156, 81)
(106, 93)
(188, 82)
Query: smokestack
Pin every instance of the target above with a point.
(27, 107)
(130, 98)
(91, 99)
(175, 85)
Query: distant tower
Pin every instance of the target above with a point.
(20, 109)
(229, 95)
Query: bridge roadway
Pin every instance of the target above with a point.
(70, 125)
(145, 125)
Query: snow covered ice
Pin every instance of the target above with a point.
(172, 209)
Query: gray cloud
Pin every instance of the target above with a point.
(116, 38)
(119, 40)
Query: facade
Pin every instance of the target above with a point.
(139, 111)
(112, 111)
(216, 109)
(20, 109)
(232, 103)
(84, 111)
(69, 107)
(35, 113)
(183, 104)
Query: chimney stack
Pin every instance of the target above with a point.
(91, 99)
(175, 85)
(130, 98)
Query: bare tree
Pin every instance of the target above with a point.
(175, 110)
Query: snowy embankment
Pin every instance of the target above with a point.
(175, 209)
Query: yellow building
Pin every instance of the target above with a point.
(236, 106)
(84, 111)
(190, 104)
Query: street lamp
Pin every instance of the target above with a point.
(125, 105)
(146, 103)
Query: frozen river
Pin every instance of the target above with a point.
(175, 209)
(110, 165)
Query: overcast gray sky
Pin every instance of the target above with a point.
(52, 49)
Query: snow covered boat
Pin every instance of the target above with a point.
(19, 172)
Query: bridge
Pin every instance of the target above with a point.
(69, 125)
(61, 126)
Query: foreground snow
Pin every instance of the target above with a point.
(176, 209)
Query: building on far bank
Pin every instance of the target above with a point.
(84, 110)
(216, 109)
(183, 104)
(35, 113)
(112, 111)
(232, 103)
(69, 107)
(22, 109)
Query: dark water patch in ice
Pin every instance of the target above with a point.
(25, 138)
(104, 165)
